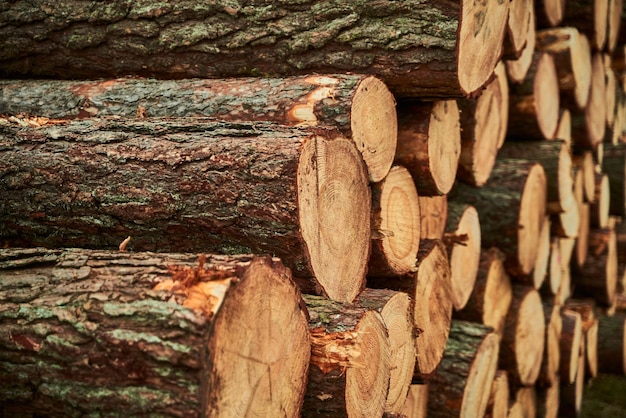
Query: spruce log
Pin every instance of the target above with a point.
(549, 373)
(597, 278)
(430, 289)
(548, 400)
(589, 123)
(612, 344)
(517, 69)
(571, 394)
(441, 48)
(118, 333)
(498, 404)
(429, 144)
(350, 360)
(191, 184)
(534, 103)
(556, 160)
(523, 340)
(462, 239)
(600, 208)
(614, 165)
(462, 384)
(395, 309)
(549, 12)
(514, 203)
(395, 224)
(433, 216)
(572, 56)
(360, 107)
(483, 129)
(589, 17)
(416, 405)
(491, 297)
(570, 344)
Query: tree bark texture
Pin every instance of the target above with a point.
(612, 344)
(360, 107)
(117, 333)
(192, 185)
(614, 164)
(462, 384)
(430, 49)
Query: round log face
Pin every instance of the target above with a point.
(531, 217)
(595, 109)
(530, 338)
(543, 255)
(581, 69)
(497, 296)
(518, 68)
(518, 22)
(480, 378)
(464, 256)
(444, 135)
(546, 93)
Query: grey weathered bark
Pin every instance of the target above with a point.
(433, 48)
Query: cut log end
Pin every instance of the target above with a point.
(445, 138)
(531, 218)
(546, 93)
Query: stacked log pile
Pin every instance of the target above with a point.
(312, 209)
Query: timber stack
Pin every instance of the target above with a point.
(313, 209)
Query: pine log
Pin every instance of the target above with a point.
(491, 297)
(614, 165)
(548, 400)
(429, 144)
(571, 394)
(549, 12)
(137, 334)
(525, 401)
(514, 202)
(416, 405)
(589, 123)
(615, 16)
(433, 216)
(190, 184)
(462, 240)
(521, 12)
(483, 129)
(556, 160)
(462, 384)
(534, 103)
(612, 344)
(590, 17)
(599, 209)
(523, 340)
(350, 360)
(360, 107)
(564, 129)
(433, 49)
(395, 224)
(549, 372)
(597, 278)
(430, 289)
(572, 56)
(517, 69)
(570, 344)
(498, 403)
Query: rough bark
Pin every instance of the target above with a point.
(430, 289)
(462, 384)
(491, 297)
(514, 202)
(523, 339)
(118, 333)
(589, 17)
(191, 184)
(570, 343)
(534, 103)
(612, 344)
(549, 372)
(360, 107)
(462, 239)
(417, 48)
(589, 123)
(434, 216)
(395, 224)
(498, 404)
(429, 144)
(350, 360)
(483, 129)
(614, 165)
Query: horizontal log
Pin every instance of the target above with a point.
(498, 404)
(589, 122)
(416, 405)
(612, 344)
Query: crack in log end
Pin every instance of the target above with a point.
(334, 350)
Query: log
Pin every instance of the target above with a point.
(540, 271)
(514, 202)
(597, 278)
(102, 332)
(566, 224)
(534, 103)
(525, 401)
(572, 57)
(416, 405)
(549, 12)
(570, 344)
(586, 309)
(517, 69)
(599, 209)
(521, 12)
(614, 165)
(612, 344)
(462, 240)
(581, 246)
(433, 216)
(565, 289)
(462, 384)
(564, 129)
(361, 107)
(280, 190)
(548, 400)
(350, 360)
(556, 160)
(615, 11)
(589, 123)
(429, 144)
(549, 372)
(483, 129)
(395, 224)
(590, 17)
(184, 41)
(491, 297)
(430, 289)
(523, 340)
(583, 161)
(571, 394)
(550, 287)
(498, 403)
(611, 93)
